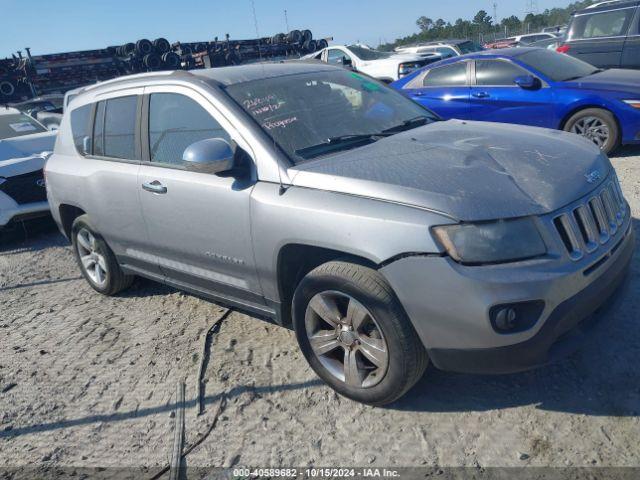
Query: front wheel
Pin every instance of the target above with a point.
(597, 125)
(355, 334)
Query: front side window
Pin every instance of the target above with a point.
(81, 127)
(120, 128)
(368, 53)
(614, 23)
(337, 56)
(176, 122)
(319, 113)
(497, 73)
(451, 75)
(470, 47)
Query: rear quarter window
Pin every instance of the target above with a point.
(612, 23)
(81, 126)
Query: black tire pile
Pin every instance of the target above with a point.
(58, 73)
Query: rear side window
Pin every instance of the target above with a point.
(120, 128)
(451, 75)
(614, 23)
(497, 73)
(81, 126)
(175, 122)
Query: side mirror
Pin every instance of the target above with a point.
(86, 145)
(213, 155)
(528, 82)
(347, 62)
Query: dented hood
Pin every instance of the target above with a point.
(470, 171)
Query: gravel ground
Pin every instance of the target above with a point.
(91, 381)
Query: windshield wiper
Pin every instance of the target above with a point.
(339, 143)
(408, 124)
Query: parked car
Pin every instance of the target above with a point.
(607, 36)
(521, 40)
(25, 144)
(384, 66)
(326, 200)
(533, 86)
(444, 48)
(549, 43)
(46, 109)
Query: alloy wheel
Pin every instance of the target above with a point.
(91, 257)
(594, 129)
(346, 339)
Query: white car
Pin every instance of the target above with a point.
(385, 66)
(532, 37)
(25, 145)
(444, 48)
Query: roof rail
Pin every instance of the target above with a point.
(602, 4)
(134, 77)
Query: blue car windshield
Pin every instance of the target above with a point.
(556, 66)
(314, 114)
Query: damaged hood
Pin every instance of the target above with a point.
(470, 171)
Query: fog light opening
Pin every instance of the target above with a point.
(506, 319)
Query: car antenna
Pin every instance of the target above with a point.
(282, 189)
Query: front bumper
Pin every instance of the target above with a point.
(448, 305)
(12, 212)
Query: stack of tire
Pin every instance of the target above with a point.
(8, 82)
(300, 40)
(145, 55)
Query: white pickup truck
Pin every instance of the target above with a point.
(385, 66)
(25, 145)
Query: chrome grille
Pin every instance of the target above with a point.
(585, 228)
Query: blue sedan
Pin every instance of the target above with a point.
(533, 86)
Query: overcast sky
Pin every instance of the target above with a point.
(67, 25)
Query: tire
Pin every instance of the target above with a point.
(400, 356)
(144, 47)
(171, 60)
(310, 46)
(152, 61)
(322, 43)
(307, 35)
(295, 36)
(592, 121)
(161, 45)
(115, 280)
(7, 88)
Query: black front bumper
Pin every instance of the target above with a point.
(562, 333)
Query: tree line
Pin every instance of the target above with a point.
(484, 28)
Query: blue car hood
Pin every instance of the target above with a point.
(470, 171)
(614, 79)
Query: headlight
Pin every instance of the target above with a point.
(491, 242)
(633, 103)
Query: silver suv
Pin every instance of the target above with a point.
(324, 200)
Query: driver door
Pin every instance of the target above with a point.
(198, 223)
(494, 96)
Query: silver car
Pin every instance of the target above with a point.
(320, 198)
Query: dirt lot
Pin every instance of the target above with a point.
(87, 380)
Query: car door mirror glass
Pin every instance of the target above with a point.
(213, 155)
(527, 82)
(347, 62)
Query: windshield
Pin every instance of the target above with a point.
(17, 125)
(367, 53)
(469, 47)
(556, 66)
(315, 114)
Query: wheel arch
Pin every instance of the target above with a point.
(68, 214)
(295, 260)
(578, 108)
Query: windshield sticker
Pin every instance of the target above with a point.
(270, 125)
(272, 107)
(22, 127)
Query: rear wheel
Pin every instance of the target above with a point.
(597, 125)
(97, 262)
(355, 335)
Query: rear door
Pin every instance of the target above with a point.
(599, 37)
(110, 176)
(631, 51)
(444, 90)
(496, 98)
(198, 223)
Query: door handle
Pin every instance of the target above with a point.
(481, 95)
(154, 187)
